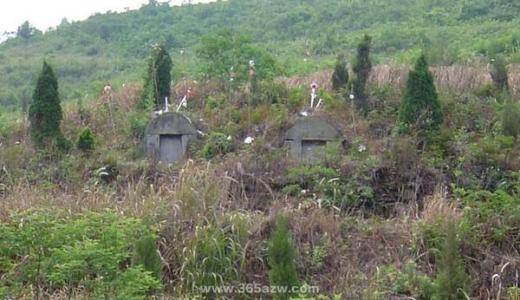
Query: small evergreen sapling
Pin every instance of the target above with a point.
(420, 106)
(281, 256)
(451, 278)
(86, 140)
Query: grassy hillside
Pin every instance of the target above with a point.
(388, 211)
(113, 46)
(381, 216)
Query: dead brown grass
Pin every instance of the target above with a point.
(456, 78)
(438, 207)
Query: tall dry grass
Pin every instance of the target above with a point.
(456, 78)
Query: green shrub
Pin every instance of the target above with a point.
(216, 144)
(319, 252)
(394, 282)
(85, 140)
(333, 189)
(486, 91)
(138, 122)
(297, 98)
(213, 103)
(292, 189)
(412, 282)
(485, 162)
(278, 115)
(236, 115)
(135, 284)
(146, 255)
(52, 251)
(63, 144)
(272, 93)
(493, 217)
(310, 174)
(281, 259)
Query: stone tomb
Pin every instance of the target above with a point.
(307, 137)
(167, 137)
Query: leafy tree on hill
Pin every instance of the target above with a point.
(111, 45)
(227, 52)
(158, 78)
(26, 31)
(420, 106)
(340, 75)
(362, 67)
(45, 113)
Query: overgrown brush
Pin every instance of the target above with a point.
(214, 257)
(89, 253)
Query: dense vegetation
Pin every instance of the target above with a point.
(302, 35)
(397, 208)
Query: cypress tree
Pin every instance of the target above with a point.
(420, 105)
(280, 256)
(340, 75)
(45, 113)
(26, 31)
(158, 78)
(362, 67)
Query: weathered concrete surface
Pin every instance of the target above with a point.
(307, 137)
(167, 137)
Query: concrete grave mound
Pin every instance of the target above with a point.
(167, 137)
(307, 137)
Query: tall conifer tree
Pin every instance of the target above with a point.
(158, 78)
(420, 106)
(45, 113)
(340, 75)
(362, 67)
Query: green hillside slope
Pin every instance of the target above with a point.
(113, 46)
